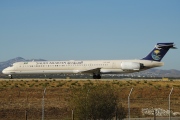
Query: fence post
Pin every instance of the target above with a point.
(25, 114)
(116, 113)
(129, 102)
(72, 114)
(43, 104)
(170, 104)
(86, 103)
(154, 114)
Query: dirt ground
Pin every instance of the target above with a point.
(22, 98)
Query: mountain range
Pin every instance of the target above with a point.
(17, 59)
(146, 73)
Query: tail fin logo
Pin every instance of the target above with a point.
(156, 55)
(159, 51)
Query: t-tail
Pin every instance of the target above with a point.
(159, 51)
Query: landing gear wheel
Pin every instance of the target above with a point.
(10, 76)
(98, 76)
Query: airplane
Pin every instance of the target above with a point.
(94, 67)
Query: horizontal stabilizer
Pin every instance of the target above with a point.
(165, 45)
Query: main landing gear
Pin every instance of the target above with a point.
(96, 76)
(10, 76)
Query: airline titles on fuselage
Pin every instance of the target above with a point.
(58, 62)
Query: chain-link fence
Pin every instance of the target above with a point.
(20, 103)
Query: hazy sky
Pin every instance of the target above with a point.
(88, 29)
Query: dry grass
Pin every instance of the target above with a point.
(16, 96)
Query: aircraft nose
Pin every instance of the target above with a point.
(4, 71)
(7, 70)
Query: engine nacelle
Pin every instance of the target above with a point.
(131, 66)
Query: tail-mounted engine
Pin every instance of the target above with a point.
(131, 66)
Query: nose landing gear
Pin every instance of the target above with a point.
(96, 76)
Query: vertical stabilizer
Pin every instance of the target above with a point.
(159, 51)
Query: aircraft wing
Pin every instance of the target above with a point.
(96, 71)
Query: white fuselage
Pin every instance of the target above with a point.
(80, 66)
